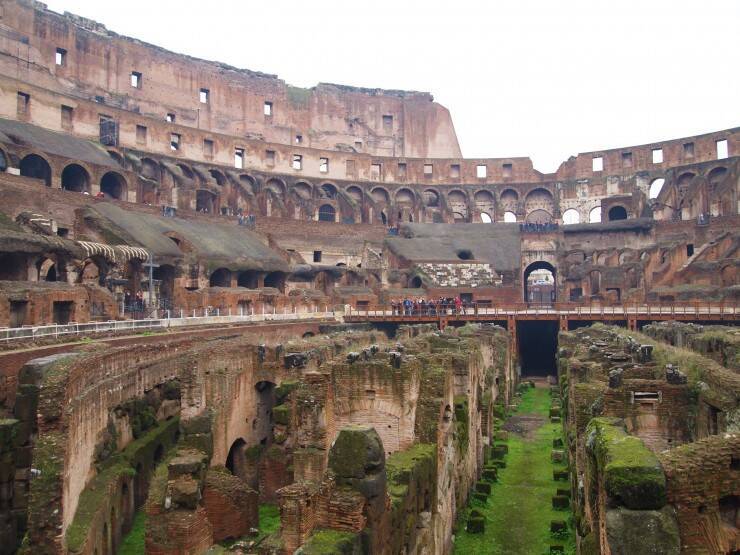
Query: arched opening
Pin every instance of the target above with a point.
(303, 190)
(380, 195)
(328, 191)
(150, 169)
(263, 424)
(276, 186)
(75, 178)
(655, 187)
(219, 177)
(405, 196)
(94, 271)
(186, 171)
(13, 267)
(220, 278)
(248, 279)
(205, 201)
(383, 218)
(47, 270)
(355, 193)
(431, 198)
(35, 166)
(594, 216)
(248, 183)
(106, 540)
(158, 454)
(465, 254)
(715, 176)
(539, 283)
(509, 217)
(617, 213)
(164, 276)
(113, 185)
(485, 217)
(236, 460)
(571, 216)
(276, 280)
(415, 282)
(539, 217)
(327, 213)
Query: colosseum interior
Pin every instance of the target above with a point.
(238, 316)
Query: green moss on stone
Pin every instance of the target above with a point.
(281, 414)
(632, 473)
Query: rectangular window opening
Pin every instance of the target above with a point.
(455, 170)
(67, 116)
(388, 123)
(24, 101)
(688, 150)
(597, 164)
(208, 148)
(317, 256)
(175, 141)
(481, 171)
(657, 156)
(358, 146)
(627, 159)
(299, 139)
(205, 95)
(297, 162)
(428, 170)
(267, 108)
(375, 171)
(690, 249)
(507, 169)
(61, 57)
(170, 117)
(646, 396)
(136, 79)
(141, 134)
(270, 157)
(239, 158)
(402, 170)
(723, 150)
(350, 169)
(324, 165)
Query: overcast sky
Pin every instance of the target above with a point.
(545, 79)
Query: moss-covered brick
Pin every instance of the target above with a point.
(633, 475)
(404, 467)
(281, 414)
(97, 494)
(483, 487)
(284, 389)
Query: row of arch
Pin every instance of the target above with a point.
(74, 177)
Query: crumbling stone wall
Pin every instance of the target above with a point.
(627, 398)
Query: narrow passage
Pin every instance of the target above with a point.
(518, 512)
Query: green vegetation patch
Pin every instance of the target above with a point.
(519, 510)
(281, 414)
(269, 517)
(403, 466)
(331, 542)
(632, 473)
(133, 542)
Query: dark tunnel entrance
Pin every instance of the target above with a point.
(538, 343)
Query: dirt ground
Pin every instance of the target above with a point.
(524, 425)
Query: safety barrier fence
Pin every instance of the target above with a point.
(206, 317)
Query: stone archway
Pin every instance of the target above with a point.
(539, 283)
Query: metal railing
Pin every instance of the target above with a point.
(198, 318)
(642, 310)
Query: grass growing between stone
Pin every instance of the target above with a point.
(269, 518)
(519, 510)
(133, 542)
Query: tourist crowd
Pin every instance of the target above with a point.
(431, 307)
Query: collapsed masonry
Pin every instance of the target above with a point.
(653, 444)
(363, 441)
